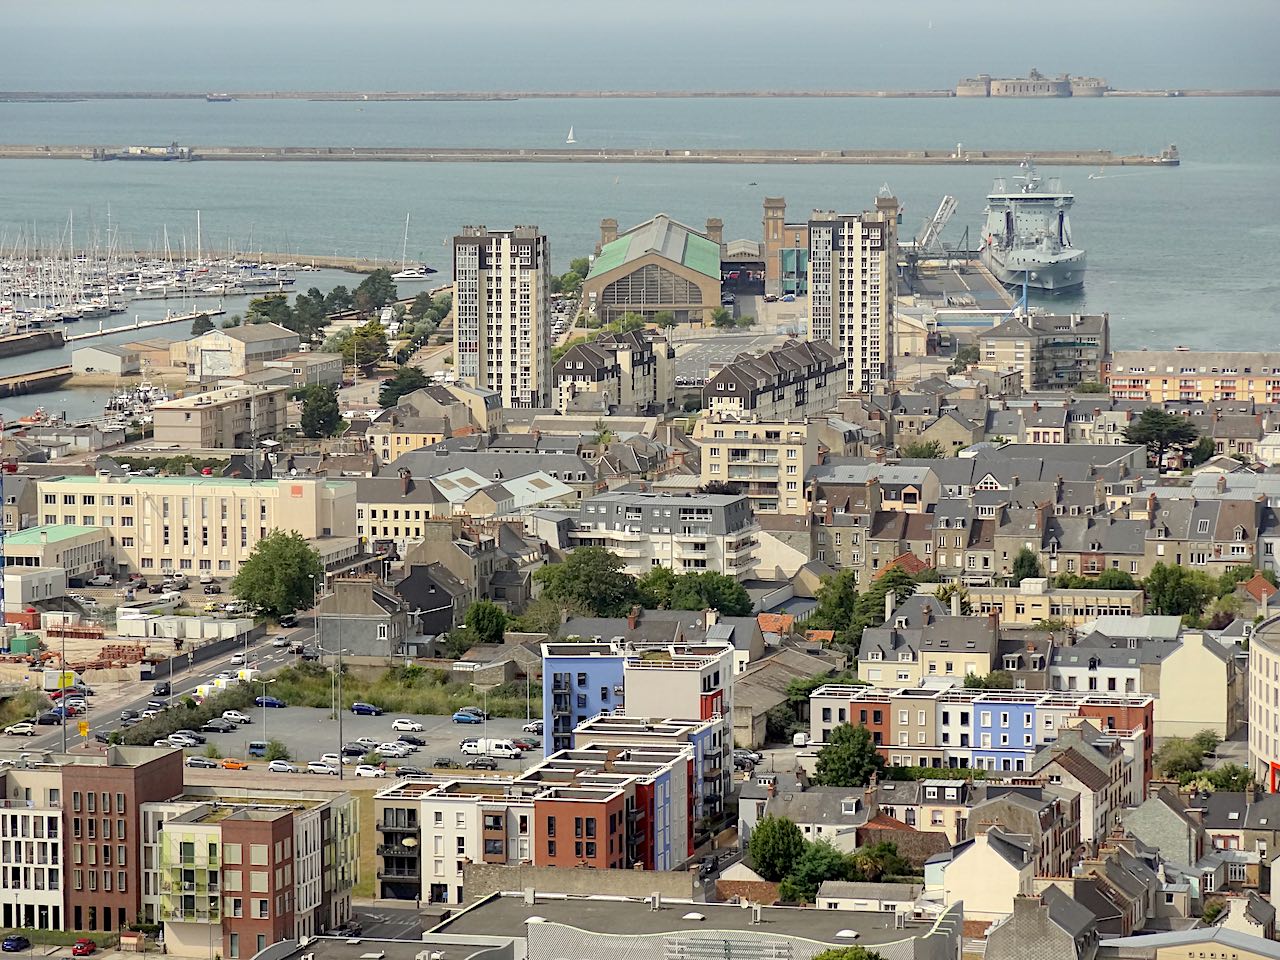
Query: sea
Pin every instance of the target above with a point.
(1185, 256)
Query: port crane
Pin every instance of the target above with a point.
(929, 239)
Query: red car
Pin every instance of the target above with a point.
(83, 947)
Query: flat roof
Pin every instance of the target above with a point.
(222, 395)
(55, 532)
(505, 915)
(195, 481)
(361, 948)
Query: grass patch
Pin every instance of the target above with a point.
(189, 715)
(65, 938)
(400, 689)
(26, 705)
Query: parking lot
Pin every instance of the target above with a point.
(695, 357)
(310, 732)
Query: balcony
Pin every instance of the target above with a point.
(401, 874)
(692, 535)
(396, 850)
(383, 826)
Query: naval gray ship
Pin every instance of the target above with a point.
(1027, 235)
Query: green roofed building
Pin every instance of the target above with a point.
(660, 265)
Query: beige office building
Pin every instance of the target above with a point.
(230, 418)
(852, 283)
(502, 317)
(202, 524)
(233, 352)
(765, 460)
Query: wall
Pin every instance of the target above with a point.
(482, 879)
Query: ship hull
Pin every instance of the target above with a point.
(1048, 273)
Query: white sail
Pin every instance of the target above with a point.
(570, 139)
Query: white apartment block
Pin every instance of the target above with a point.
(32, 875)
(852, 284)
(502, 318)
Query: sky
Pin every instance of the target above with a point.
(657, 44)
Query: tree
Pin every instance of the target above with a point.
(366, 344)
(232, 321)
(406, 380)
(664, 319)
(1026, 566)
(995, 680)
(819, 863)
(1176, 591)
(776, 844)
(1206, 740)
(722, 318)
(627, 323)
(1159, 431)
(837, 599)
(1203, 450)
(922, 450)
(849, 758)
(539, 616)
(878, 860)
(1178, 756)
(338, 300)
(280, 575)
(966, 357)
(848, 953)
(581, 266)
(745, 321)
(1214, 907)
(957, 590)
(592, 579)
(376, 290)
(720, 486)
(1115, 580)
(488, 620)
(717, 591)
(1090, 386)
(1238, 574)
(201, 326)
(276, 751)
(320, 414)
(422, 304)
(570, 283)
(273, 308)
(1230, 777)
(310, 315)
(655, 588)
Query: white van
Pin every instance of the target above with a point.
(491, 748)
(102, 580)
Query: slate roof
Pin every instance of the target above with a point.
(1071, 917)
(851, 890)
(820, 806)
(1077, 765)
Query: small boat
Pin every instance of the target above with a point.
(218, 98)
(569, 138)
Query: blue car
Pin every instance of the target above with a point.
(269, 702)
(463, 717)
(359, 708)
(16, 943)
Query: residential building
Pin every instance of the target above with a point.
(502, 315)
(659, 266)
(627, 373)
(1034, 600)
(21, 508)
(231, 417)
(1044, 925)
(198, 523)
(437, 600)
(397, 432)
(1164, 822)
(919, 640)
(396, 508)
(509, 455)
(796, 380)
(1047, 816)
(1210, 534)
(118, 361)
(312, 368)
(888, 897)
(1264, 703)
(233, 351)
(1095, 767)
(82, 550)
(360, 616)
(988, 871)
(852, 285)
(710, 532)
(1219, 940)
(766, 460)
(1051, 352)
(1206, 376)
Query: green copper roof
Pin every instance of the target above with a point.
(55, 531)
(665, 237)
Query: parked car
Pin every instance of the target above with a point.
(393, 749)
(412, 740)
(235, 716)
(322, 767)
(440, 763)
(533, 726)
(404, 723)
(273, 702)
(334, 759)
(181, 740)
(527, 743)
(710, 863)
(83, 947)
(367, 742)
(750, 756)
(231, 763)
(192, 735)
(289, 620)
(463, 716)
(15, 943)
(156, 588)
(482, 763)
(203, 763)
(211, 589)
(369, 770)
(281, 766)
(24, 728)
(101, 580)
(410, 772)
(474, 711)
(49, 718)
(362, 709)
(354, 749)
(206, 578)
(218, 725)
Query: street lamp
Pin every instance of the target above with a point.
(264, 705)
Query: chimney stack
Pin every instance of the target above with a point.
(633, 617)
(406, 481)
(890, 602)
(955, 602)
(715, 230)
(608, 230)
(1222, 483)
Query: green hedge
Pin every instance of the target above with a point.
(187, 714)
(65, 938)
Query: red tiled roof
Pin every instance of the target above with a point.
(776, 622)
(907, 562)
(886, 822)
(820, 636)
(1259, 587)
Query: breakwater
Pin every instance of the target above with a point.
(34, 381)
(20, 343)
(184, 154)
(55, 96)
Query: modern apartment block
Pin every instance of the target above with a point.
(502, 320)
(1264, 703)
(1033, 601)
(1051, 352)
(852, 284)
(199, 524)
(1159, 376)
(798, 379)
(766, 460)
(94, 842)
(230, 418)
(687, 534)
(986, 729)
(604, 806)
(616, 373)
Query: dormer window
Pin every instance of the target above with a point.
(905, 657)
(849, 806)
(900, 622)
(874, 655)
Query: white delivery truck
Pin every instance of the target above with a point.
(489, 747)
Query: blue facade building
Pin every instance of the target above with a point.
(1004, 734)
(579, 680)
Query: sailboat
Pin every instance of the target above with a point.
(407, 272)
(569, 138)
